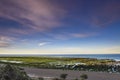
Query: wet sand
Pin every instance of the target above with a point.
(72, 74)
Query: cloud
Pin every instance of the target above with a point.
(43, 43)
(82, 35)
(6, 41)
(4, 44)
(66, 36)
(6, 38)
(34, 15)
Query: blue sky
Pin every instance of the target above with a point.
(59, 26)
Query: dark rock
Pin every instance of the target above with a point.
(9, 72)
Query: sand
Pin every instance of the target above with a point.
(72, 74)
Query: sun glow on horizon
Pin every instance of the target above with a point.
(69, 50)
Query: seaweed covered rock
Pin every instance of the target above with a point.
(9, 72)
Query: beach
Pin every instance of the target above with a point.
(34, 72)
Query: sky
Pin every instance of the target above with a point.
(59, 26)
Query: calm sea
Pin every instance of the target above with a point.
(98, 56)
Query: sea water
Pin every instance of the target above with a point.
(98, 56)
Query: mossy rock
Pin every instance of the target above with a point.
(9, 72)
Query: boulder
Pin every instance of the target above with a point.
(9, 72)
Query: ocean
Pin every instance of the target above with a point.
(98, 56)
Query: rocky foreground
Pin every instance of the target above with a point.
(9, 72)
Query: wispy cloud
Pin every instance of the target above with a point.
(4, 44)
(6, 38)
(43, 43)
(5, 41)
(34, 15)
(82, 35)
(65, 36)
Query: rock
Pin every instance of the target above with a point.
(9, 72)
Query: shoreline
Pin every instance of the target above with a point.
(91, 56)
